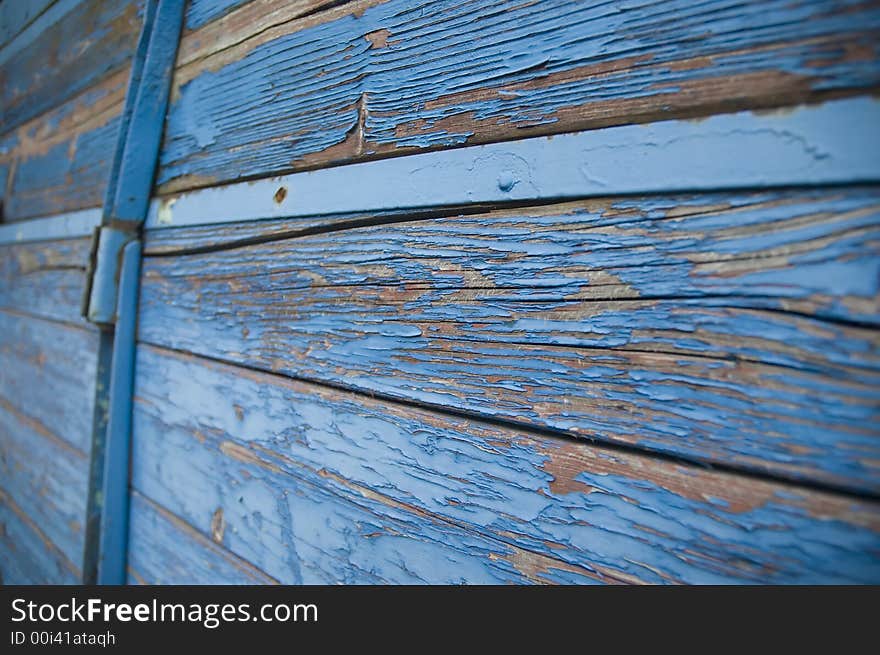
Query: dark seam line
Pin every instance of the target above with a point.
(386, 217)
(509, 424)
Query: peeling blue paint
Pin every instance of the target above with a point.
(489, 67)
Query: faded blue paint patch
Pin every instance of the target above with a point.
(511, 316)
(499, 485)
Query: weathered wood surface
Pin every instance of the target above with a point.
(27, 556)
(47, 372)
(16, 15)
(67, 225)
(373, 78)
(90, 42)
(45, 278)
(60, 161)
(46, 477)
(736, 329)
(162, 549)
(810, 145)
(313, 484)
(200, 12)
(47, 382)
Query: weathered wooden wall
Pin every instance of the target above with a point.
(648, 382)
(643, 388)
(63, 75)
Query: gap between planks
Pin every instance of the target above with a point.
(540, 431)
(535, 559)
(196, 535)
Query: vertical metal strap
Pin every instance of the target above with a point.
(113, 288)
(114, 515)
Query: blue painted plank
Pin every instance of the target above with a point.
(45, 476)
(380, 78)
(44, 278)
(47, 371)
(69, 225)
(84, 46)
(728, 328)
(60, 161)
(42, 22)
(27, 556)
(288, 522)
(258, 447)
(832, 143)
(165, 550)
(16, 15)
(200, 12)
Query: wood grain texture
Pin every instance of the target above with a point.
(735, 329)
(46, 478)
(90, 42)
(45, 278)
(47, 374)
(316, 484)
(376, 78)
(200, 12)
(60, 161)
(289, 523)
(47, 387)
(27, 556)
(165, 550)
(67, 225)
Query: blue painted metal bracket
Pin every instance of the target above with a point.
(99, 303)
(110, 298)
(134, 167)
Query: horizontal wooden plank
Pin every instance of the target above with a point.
(162, 549)
(45, 278)
(832, 143)
(60, 161)
(200, 12)
(90, 42)
(685, 325)
(214, 440)
(21, 40)
(47, 378)
(288, 522)
(376, 78)
(47, 373)
(16, 16)
(69, 225)
(46, 477)
(27, 556)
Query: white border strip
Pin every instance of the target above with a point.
(837, 142)
(60, 226)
